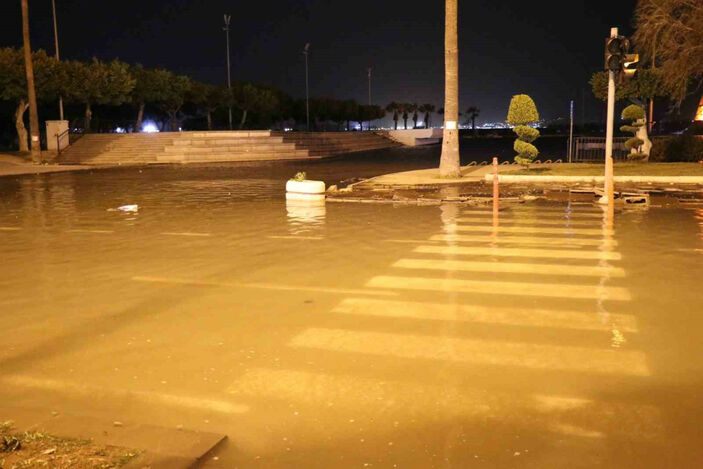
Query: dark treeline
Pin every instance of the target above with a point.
(103, 96)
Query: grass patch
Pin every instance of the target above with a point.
(19, 450)
(621, 169)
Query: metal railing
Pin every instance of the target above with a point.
(593, 149)
(62, 137)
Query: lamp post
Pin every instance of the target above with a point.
(229, 70)
(369, 70)
(306, 51)
(56, 43)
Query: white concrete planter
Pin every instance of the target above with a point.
(305, 190)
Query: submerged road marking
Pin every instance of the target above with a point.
(9, 228)
(484, 352)
(520, 252)
(508, 267)
(564, 241)
(548, 290)
(90, 231)
(566, 223)
(147, 396)
(265, 286)
(531, 214)
(187, 234)
(530, 229)
(296, 237)
(486, 314)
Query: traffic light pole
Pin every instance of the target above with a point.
(608, 186)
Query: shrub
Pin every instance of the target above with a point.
(299, 176)
(635, 114)
(523, 111)
(684, 147)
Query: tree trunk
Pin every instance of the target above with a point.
(646, 147)
(140, 117)
(19, 125)
(209, 120)
(396, 124)
(173, 121)
(405, 123)
(244, 119)
(473, 126)
(449, 164)
(31, 92)
(88, 117)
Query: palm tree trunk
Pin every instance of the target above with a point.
(31, 92)
(449, 164)
(209, 120)
(19, 125)
(140, 117)
(88, 117)
(244, 119)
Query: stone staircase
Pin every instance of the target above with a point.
(219, 146)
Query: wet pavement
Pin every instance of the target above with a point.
(354, 335)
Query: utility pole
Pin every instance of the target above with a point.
(229, 69)
(306, 51)
(369, 70)
(31, 93)
(571, 130)
(58, 59)
(608, 189)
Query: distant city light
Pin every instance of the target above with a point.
(120, 130)
(149, 127)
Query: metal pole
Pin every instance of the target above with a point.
(608, 189)
(56, 42)
(369, 86)
(571, 130)
(229, 70)
(307, 87)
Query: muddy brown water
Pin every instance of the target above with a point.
(354, 335)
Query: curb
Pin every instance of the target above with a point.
(638, 179)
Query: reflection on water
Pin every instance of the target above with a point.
(310, 339)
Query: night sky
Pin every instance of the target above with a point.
(544, 48)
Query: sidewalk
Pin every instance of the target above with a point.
(12, 165)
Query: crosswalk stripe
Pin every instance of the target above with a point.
(485, 314)
(555, 241)
(530, 229)
(525, 213)
(508, 267)
(9, 228)
(519, 252)
(535, 221)
(516, 354)
(549, 290)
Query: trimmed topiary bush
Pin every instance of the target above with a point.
(637, 116)
(522, 112)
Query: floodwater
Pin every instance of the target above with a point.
(354, 335)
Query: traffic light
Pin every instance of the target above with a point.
(616, 49)
(629, 66)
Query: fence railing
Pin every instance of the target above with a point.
(593, 149)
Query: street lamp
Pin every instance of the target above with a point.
(306, 51)
(369, 70)
(229, 70)
(56, 43)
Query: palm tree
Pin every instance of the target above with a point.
(394, 108)
(404, 110)
(472, 113)
(414, 108)
(427, 109)
(31, 94)
(449, 164)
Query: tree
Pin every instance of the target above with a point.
(174, 94)
(99, 83)
(449, 163)
(427, 109)
(49, 81)
(148, 88)
(404, 110)
(247, 97)
(350, 111)
(207, 97)
(670, 33)
(414, 108)
(635, 114)
(523, 111)
(368, 113)
(644, 86)
(394, 108)
(472, 113)
(31, 93)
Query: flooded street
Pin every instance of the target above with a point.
(354, 335)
